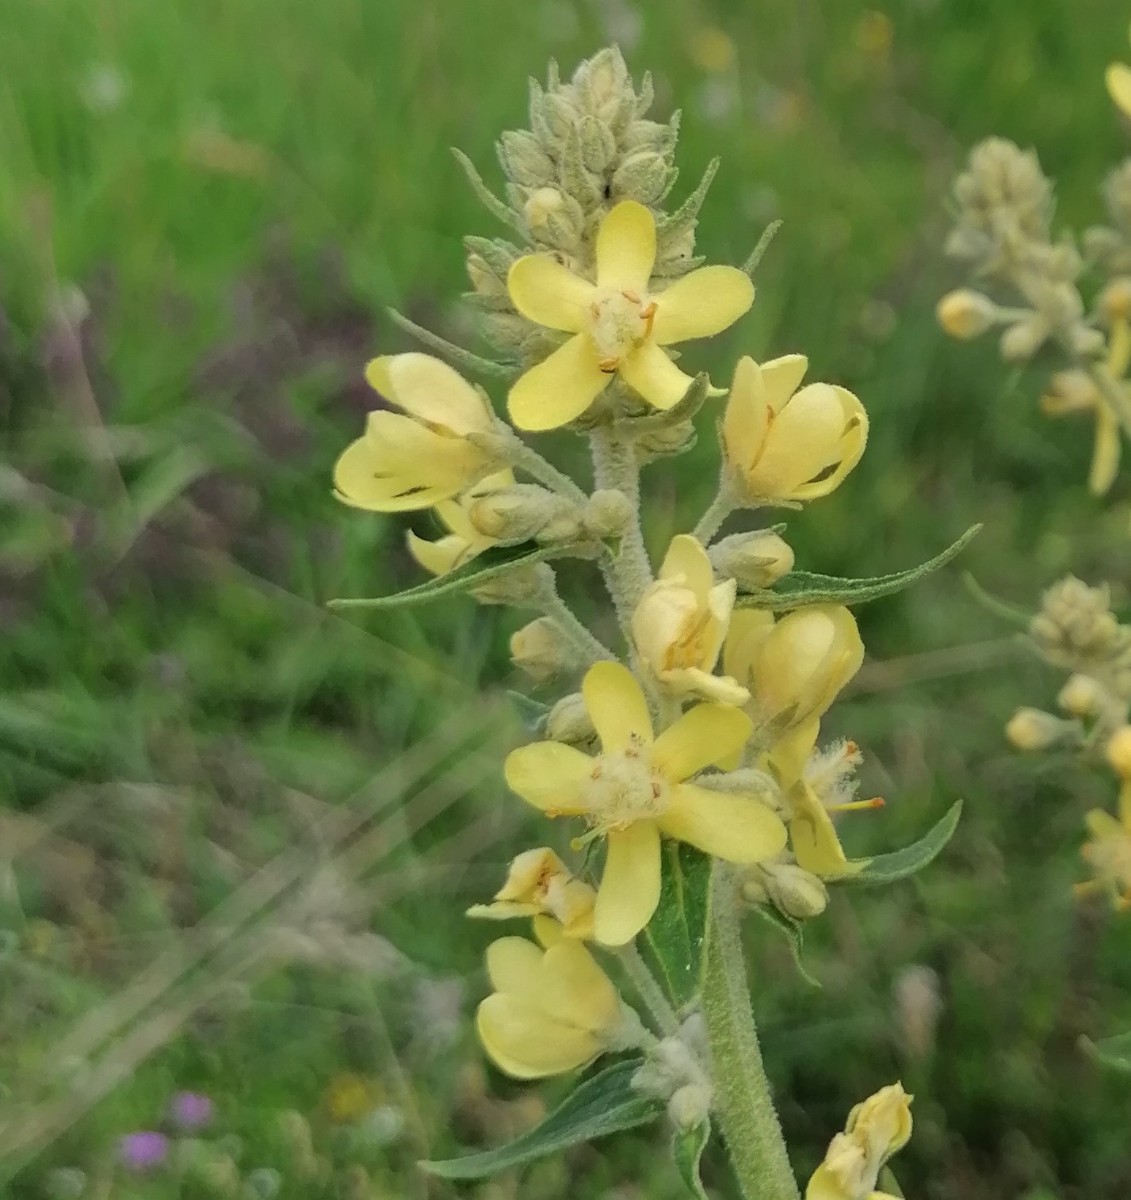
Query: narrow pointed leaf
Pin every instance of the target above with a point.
(1113, 1052)
(490, 565)
(675, 936)
(532, 713)
(794, 932)
(687, 1150)
(604, 1104)
(887, 868)
(800, 588)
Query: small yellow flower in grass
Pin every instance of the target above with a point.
(874, 1131)
(1074, 391)
(463, 541)
(636, 790)
(619, 326)
(551, 1011)
(681, 622)
(785, 444)
(540, 884)
(420, 456)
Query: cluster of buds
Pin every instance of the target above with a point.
(1003, 206)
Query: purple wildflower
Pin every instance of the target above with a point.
(191, 1110)
(144, 1150)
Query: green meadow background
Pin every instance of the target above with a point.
(238, 830)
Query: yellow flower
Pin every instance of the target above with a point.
(619, 326)
(785, 444)
(874, 1131)
(540, 884)
(463, 541)
(422, 458)
(1073, 391)
(551, 1011)
(636, 789)
(1118, 80)
(681, 622)
(349, 1097)
(1108, 852)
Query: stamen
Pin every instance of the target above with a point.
(608, 365)
(649, 315)
(858, 805)
(579, 843)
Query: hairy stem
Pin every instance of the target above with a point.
(525, 458)
(725, 502)
(649, 990)
(744, 1105)
(591, 648)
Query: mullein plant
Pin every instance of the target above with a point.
(686, 764)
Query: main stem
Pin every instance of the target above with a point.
(724, 503)
(743, 1102)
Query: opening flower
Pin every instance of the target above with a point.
(540, 884)
(636, 789)
(681, 622)
(1074, 391)
(420, 456)
(551, 1011)
(463, 541)
(785, 444)
(875, 1130)
(619, 326)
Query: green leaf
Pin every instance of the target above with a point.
(604, 1104)
(685, 409)
(1113, 1052)
(795, 932)
(799, 588)
(887, 868)
(687, 1150)
(676, 934)
(491, 564)
(532, 713)
(1013, 613)
(889, 1184)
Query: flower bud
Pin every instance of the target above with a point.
(598, 146)
(1033, 729)
(520, 588)
(755, 560)
(690, 1106)
(1118, 752)
(662, 443)
(1022, 340)
(541, 649)
(485, 281)
(523, 159)
(569, 721)
(966, 313)
(796, 892)
(1115, 299)
(643, 176)
(1082, 696)
(553, 217)
(516, 513)
(607, 513)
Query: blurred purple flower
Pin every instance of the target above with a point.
(191, 1110)
(144, 1150)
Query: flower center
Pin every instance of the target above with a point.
(619, 323)
(625, 788)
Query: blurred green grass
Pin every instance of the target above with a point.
(204, 210)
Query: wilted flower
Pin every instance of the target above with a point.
(540, 884)
(875, 1130)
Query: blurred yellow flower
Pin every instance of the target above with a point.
(349, 1097)
(785, 444)
(712, 49)
(1118, 80)
(619, 327)
(681, 622)
(551, 1011)
(540, 884)
(1108, 852)
(463, 541)
(1074, 391)
(875, 1130)
(422, 458)
(636, 790)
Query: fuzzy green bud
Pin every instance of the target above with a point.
(791, 889)
(569, 721)
(523, 159)
(607, 513)
(1034, 729)
(542, 650)
(521, 512)
(1081, 696)
(644, 176)
(521, 588)
(690, 1106)
(1024, 338)
(755, 560)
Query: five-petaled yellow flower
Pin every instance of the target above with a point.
(551, 1011)
(875, 1130)
(636, 790)
(463, 541)
(540, 885)
(785, 444)
(1073, 391)
(619, 325)
(681, 622)
(419, 457)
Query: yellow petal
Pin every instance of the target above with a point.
(701, 304)
(526, 1043)
(781, 377)
(720, 604)
(815, 843)
(1102, 825)
(1106, 455)
(726, 826)
(430, 390)
(558, 389)
(747, 418)
(513, 964)
(692, 681)
(825, 1185)
(791, 752)
(616, 706)
(650, 372)
(550, 776)
(626, 248)
(803, 442)
(853, 442)
(806, 660)
(748, 629)
(548, 931)
(576, 990)
(686, 557)
(704, 735)
(546, 292)
(440, 556)
(630, 885)
(1118, 80)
